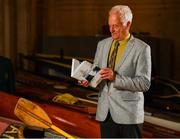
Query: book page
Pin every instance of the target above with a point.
(75, 64)
(82, 70)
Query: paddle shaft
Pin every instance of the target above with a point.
(55, 128)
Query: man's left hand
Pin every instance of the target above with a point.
(107, 74)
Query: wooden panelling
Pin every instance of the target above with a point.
(24, 24)
(78, 17)
(7, 29)
(1, 28)
(158, 18)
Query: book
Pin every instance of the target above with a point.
(85, 71)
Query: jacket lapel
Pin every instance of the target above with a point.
(126, 52)
(106, 51)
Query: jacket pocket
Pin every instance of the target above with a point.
(130, 96)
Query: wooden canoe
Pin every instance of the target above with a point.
(84, 125)
(154, 126)
(71, 121)
(43, 90)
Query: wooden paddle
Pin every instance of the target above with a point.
(33, 115)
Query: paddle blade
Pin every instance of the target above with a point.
(31, 114)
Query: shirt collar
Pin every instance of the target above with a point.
(125, 39)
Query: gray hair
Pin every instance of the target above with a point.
(124, 12)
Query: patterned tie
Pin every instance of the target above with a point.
(112, 60)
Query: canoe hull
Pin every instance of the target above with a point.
(71, 121)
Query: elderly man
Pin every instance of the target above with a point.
(125, 63)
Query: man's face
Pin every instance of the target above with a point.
(116, 27)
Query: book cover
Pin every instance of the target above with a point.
(85, 71)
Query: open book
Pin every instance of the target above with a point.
(85, 71)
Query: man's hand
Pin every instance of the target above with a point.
(84, 83)
(108, 74)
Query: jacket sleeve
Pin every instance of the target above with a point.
(141, 81)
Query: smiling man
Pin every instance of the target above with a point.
(125, 63)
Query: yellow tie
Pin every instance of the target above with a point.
(112, 60)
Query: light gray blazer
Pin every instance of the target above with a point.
(124, 97)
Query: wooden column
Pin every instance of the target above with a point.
(8, 29)
(2, 27)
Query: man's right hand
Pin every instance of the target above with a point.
(84, 83)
